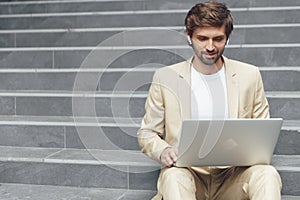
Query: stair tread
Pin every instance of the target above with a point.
(59, 159)
(143, 11)
(286, 162)
(172, 17)
(108, 157)
(129, 28)
(117, 93)
(70, 121)
(98, 121)
(169, 4)
(143, 46)
(38, 192)
(75, 156)
(14, 191)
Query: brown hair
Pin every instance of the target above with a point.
(210, 13)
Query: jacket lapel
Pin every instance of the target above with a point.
(184, 88)
(232, 89)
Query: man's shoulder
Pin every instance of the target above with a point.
(246, 73)
(171, 70)
(174, 67)
(240, 66)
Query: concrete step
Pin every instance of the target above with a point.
(74, 6)
(61, 159)
(283, 105)
(259, 34)
(118, 79)
(70, 132)
(141, 18)
(278, 79)
(80, 168)
(108, 133)
(274, 79)
(10, 191)
(104, 169)
(63, 132)
(135, 56)
(27, 6)
(9, 7)
(288, 141)
(113, 104)
(235, 3)
(288, 197)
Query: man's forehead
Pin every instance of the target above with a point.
(210, 31)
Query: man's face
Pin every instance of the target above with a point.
(209, 44)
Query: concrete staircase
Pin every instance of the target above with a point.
(74, 76)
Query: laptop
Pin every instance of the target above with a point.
(227, 142)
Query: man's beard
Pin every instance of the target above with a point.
(209, 61)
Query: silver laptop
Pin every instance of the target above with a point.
(229, 142)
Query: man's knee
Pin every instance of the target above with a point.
(176, 183)
(265, 170)
(265, 173)
(174, 175)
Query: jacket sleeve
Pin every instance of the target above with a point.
(150, 135)
(260, 104)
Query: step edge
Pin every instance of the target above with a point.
(51, 159)
(180, 28)
(143, 12)
(140, 47)
(94, 161)
(118, 69)
(114, 94)
(291, 125)
(58, 1)
(84, 189)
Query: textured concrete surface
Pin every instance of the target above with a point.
(68, 38)
(260, 56)
(105, 169)
(63, 132)
(32, 136)
(142, 19)
(41, 115)
(126, 80)
(287, 108)
(124, 5)
(38, 192)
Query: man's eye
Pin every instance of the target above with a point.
(219, 39)
(202, 38)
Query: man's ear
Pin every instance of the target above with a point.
(227, 42)
(188, 38)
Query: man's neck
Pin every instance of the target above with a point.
(207, 69)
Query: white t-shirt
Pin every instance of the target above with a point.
(209, 95)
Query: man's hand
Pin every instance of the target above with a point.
(169, 156)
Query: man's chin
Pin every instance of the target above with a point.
(209, 61)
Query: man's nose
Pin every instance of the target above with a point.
(210, 45)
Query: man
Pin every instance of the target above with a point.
(206, 86)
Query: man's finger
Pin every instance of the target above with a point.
(168, 161)
(173, 156)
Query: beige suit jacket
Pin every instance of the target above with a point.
(169, 101)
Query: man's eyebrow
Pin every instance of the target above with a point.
(204, 36)
(220, 36)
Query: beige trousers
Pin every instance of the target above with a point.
(260, 182)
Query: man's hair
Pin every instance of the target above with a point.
(209, 14)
